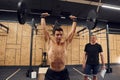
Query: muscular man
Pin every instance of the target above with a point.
(91, 58)
(57, 50)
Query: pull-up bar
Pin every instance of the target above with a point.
(1, 25)
(81, 30)
(99, 30)
(114, 31)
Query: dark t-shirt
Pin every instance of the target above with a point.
(92, 52)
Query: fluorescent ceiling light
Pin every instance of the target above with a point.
(111, 6)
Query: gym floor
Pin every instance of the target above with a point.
(6, 72)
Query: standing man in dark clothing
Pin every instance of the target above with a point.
(91, 58)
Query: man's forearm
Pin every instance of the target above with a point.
(102, 60)
(84, 58)
(74, 26)
(43, 23)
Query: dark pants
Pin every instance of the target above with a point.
(53, 75)
(91, 69)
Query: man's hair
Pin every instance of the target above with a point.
(93, 35)
(57, 29)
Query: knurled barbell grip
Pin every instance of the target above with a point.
(74, 20)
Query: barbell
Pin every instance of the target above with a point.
(22, 13)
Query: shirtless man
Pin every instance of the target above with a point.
(57, 50)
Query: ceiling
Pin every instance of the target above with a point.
(80, 8)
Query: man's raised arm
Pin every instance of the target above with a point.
(71, 33)
(43, 25)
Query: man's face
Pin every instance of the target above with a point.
(58, 36)
(93, 39)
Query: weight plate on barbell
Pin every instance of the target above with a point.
(91, 19)
(21, 12)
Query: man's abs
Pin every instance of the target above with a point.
(57, 57)
(57, 65)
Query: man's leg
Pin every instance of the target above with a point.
(87, 71)
(65, 74)
(85, 77)
(95, 71)
(49, 75)
(95, 78)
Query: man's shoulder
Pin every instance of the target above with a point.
(98, 44)
(88, 44)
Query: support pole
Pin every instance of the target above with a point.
(109, 70)
(28, 74)
(81, 30)
(90, 33)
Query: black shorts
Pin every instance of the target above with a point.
(91, 69)
(53, 75)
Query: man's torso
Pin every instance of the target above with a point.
(57, 55)
(92, 52)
